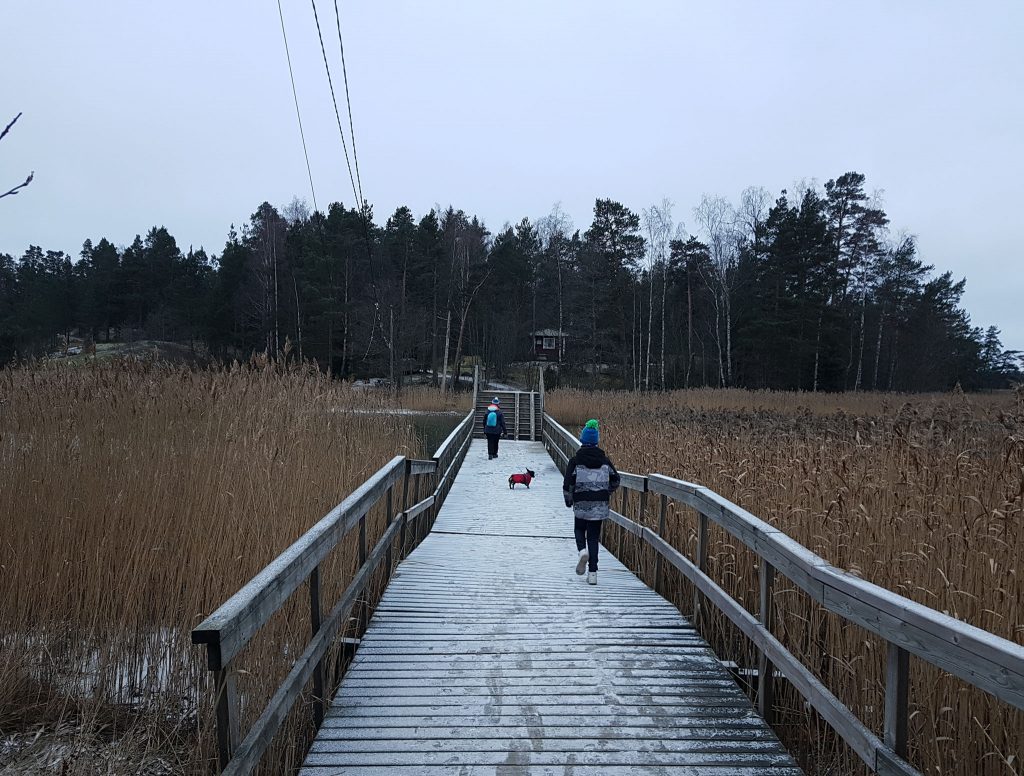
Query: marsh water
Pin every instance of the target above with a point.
(432, 428)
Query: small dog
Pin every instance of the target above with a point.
(521, 479)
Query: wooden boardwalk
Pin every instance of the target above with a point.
(488, 655)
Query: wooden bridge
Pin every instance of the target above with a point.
(486, 654)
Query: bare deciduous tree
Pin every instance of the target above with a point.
(718, 220)
(658, 223)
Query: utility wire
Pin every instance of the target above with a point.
(360, 203)
(348, 102)
(337, 115)
(298, 115)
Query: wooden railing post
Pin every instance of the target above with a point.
(315, 615)
(416, 500)
(389, 505)
(227, 715)
(515, 425)
(702, 565)
(533, 420)
(363, 606)
(641, 511)
(897, 684)
(623, 506)
(405, 506)
(765, 668)
(662, 510)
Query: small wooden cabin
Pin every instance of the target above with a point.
(549, 345)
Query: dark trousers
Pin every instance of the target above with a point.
(588, 534)
(492, 445)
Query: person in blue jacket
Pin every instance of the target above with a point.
(494, 427)
(590, 479)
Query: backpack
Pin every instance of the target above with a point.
(492, 419)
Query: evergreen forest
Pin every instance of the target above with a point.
(803, 290)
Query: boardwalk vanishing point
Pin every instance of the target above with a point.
(488, 655)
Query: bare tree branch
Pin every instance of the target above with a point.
(31, 175)
(28, 180)
(8, 127)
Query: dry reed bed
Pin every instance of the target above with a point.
(921, 495)
(137, 498)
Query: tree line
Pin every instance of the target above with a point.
(808, 290)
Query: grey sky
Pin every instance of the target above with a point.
(180, 114)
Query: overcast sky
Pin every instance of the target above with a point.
(181, 114)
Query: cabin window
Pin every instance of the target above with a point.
(549, 343)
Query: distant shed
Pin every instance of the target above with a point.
(549, 345)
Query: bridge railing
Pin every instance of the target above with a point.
(412, 491)
(980, 658)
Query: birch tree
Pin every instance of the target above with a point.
(658, 225)
(717, 219)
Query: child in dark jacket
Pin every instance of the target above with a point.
(590, 479)
(494, 427)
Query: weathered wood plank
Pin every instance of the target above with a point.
(569, 740)
(416, 509)
(727, 769)
(569, 737)
(422, 467)
(623, 759)
(720, 714)
(635, 482)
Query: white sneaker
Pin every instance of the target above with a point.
(581, 564)
(592, 578)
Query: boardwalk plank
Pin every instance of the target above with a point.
(488, 655)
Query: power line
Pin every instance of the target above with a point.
(337, 115)
(295, 96)
(348, 102)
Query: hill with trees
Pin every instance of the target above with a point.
(808, 290)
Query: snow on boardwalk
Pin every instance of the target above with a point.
(488, 655)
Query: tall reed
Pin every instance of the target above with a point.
(921, 495)
(138, 497)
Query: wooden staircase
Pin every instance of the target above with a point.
(523, 413)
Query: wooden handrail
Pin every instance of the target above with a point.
(980, 658)
(235, 621)
(226, 632)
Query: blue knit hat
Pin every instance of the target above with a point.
(590, 435)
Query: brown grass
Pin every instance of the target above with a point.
(921, 495)
(138, 497)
